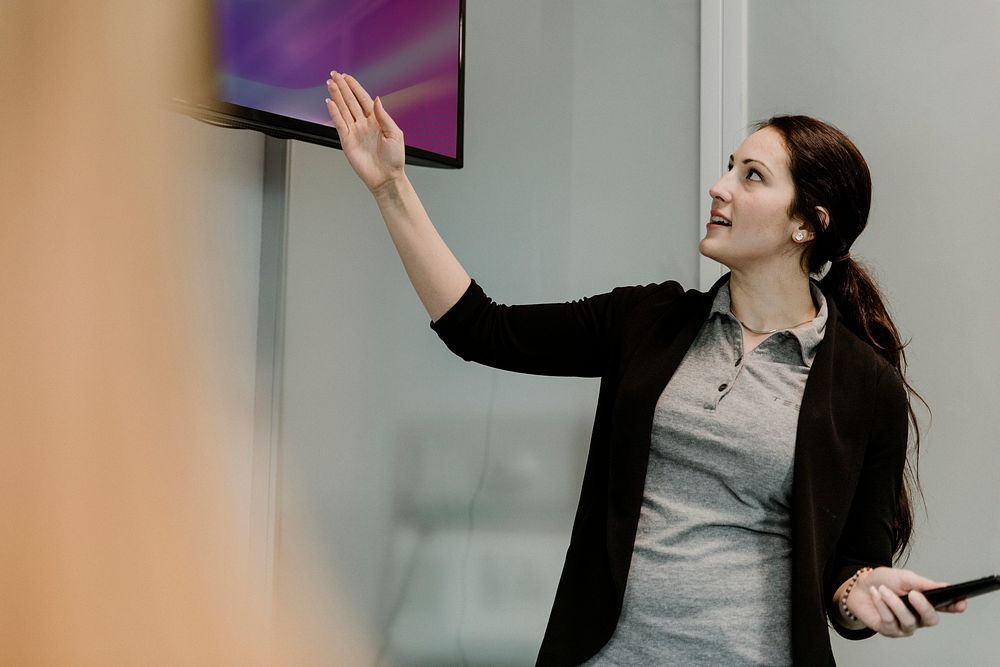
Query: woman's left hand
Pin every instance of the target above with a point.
(875, 600)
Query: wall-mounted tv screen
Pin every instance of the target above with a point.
(272, 59)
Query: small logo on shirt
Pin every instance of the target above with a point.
(790, 404)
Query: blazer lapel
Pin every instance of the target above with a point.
(651, 366)
(829, 440)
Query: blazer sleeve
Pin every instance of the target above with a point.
(574, 338)
(868, 538)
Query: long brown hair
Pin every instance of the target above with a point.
(828, 170)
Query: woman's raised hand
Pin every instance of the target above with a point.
(875, 600)
(371, 140)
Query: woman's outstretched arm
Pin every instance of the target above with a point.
(373, 144)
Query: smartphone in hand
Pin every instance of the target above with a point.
(942, 597)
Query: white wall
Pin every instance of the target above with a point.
(581, 174)
(917, 86)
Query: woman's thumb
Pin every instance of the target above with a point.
(384, 120)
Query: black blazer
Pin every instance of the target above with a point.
(850, 449)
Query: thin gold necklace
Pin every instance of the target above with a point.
(768, 333)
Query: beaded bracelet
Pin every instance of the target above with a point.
(847, 591)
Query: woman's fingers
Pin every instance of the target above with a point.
(338, 120)
(346, 120)
(927, 615)
(886, 617)
(362, 96)
(354, 108)
(956, 607)
(905, 619)
(384, 120)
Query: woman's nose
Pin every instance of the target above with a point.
(719, 190)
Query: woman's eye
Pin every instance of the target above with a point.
(750, 171)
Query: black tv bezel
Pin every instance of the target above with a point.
(212, 110)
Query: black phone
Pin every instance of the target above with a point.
(942, 597)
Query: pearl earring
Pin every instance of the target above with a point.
(799, 236)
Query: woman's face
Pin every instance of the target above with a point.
(754, 196)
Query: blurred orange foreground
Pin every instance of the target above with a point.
(119, 543)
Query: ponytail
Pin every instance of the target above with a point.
(862, 306)
(860, 301)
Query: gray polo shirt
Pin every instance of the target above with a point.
(710, 576)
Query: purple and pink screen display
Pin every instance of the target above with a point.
(276, 55)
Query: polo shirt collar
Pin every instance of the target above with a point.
(809, 335)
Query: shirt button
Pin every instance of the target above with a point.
(722, 387)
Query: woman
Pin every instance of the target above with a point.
(745, 476)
